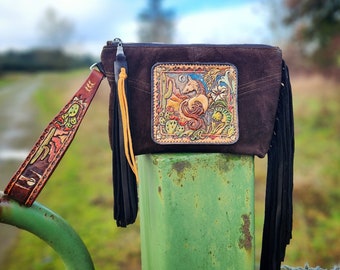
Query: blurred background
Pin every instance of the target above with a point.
(45, 50)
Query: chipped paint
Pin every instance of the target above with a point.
(180, 166)
(245, 240)
(160, 192)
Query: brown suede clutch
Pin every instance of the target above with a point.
(204, 98)
(259, 82)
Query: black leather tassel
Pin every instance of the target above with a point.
(277, 230)
(124, 180)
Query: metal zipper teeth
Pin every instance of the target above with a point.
(112, 43)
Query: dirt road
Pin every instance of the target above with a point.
(17, 135)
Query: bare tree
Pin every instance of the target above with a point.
(317, 25)
(278, 12)
(156, 25)
(55, 31)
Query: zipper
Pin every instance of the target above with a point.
(119, 43)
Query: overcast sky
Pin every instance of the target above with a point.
(96, 21)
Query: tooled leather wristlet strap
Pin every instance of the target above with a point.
(32, 175)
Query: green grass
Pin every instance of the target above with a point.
(316, 196)
(7, 79)
(80, 190)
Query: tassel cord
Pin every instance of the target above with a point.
(128, 147)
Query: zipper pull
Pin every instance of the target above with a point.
(120, 58)
(119, 46)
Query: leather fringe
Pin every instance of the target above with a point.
(277, 230)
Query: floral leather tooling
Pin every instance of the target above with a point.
(194, 103)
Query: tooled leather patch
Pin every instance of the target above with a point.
(194, 103)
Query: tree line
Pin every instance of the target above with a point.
(314, 44)
(39, 59)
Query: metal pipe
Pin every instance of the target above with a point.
(51, 228)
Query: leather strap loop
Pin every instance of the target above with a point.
(32, 175)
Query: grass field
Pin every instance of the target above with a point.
(80, 190)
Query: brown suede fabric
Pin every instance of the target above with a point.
(259, 81)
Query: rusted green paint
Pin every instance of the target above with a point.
(51, 228)
(246, 237)
(197, 211)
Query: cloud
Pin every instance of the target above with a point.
(247, 23)
(96, 21)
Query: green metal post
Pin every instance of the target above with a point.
(51, 228)
(196, 211)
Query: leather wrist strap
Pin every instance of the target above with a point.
(32, 175)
